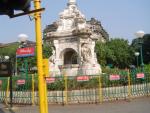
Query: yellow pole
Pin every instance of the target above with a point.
(100, 89)
(129, 85)
(7, 91)
(46, 101)
(46, 73)
(33, 89)
(66, 88)
(42, 82)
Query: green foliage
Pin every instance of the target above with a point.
(110, 70)
(120, 53)
(101, 49)
(145, 42)
(47, 50)
(10, 51)
(116, 52)
(146, 48)
(147, 68)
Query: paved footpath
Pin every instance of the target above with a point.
(139, 105)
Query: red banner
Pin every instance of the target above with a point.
(50, 80)
(114, 77)
(21, 82)
(140, 75)
(25, 52)
(83, 78)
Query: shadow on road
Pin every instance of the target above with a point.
(1, 111)
(11, 111)
(6, 110)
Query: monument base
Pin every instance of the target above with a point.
(76, 70)
(90, 69)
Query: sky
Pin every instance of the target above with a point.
(120, 18)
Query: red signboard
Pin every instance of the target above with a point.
(1, 82)
(50, 80)
(114, 77)
(25, 52)
(21, 82)
(140, 75)
(83, 78)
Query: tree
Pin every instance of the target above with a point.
(47, 50)
(9, 50)
(116, 52)
(146, 47)
(119, 53)
(100, 50)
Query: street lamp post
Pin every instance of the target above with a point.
(6, 59)
(139, 35)
(137, 60)
(23, 43)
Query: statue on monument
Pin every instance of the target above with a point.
(52, 58)
(85, 53)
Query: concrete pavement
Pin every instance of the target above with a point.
(138, 105)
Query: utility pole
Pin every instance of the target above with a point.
(41, 78)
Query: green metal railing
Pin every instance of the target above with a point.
(68, 89)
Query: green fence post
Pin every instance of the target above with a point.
(33, 90)
(7, 91)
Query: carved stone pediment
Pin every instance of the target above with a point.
(84, 31)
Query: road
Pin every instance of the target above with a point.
(138, 105)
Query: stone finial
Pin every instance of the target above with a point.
(72, 1)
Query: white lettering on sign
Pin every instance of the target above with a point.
(22, 52)
(114, 77)
(83, 78)
(21, 82)
(25, 50)
(140, 75)
(50, 80)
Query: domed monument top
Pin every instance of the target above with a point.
(71, 18)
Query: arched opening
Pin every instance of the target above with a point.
(70, 57)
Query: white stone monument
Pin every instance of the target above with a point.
(74, 44)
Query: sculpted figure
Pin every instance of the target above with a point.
(52, 58)
(85, 53)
